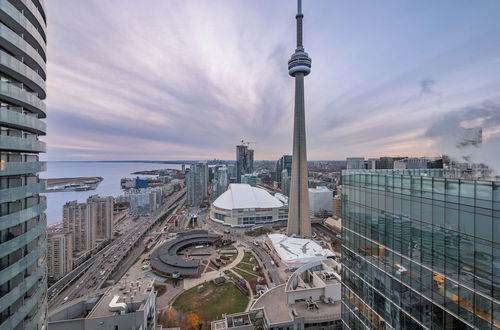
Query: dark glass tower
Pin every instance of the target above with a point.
(420, 251)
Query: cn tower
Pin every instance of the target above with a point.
(299, 66)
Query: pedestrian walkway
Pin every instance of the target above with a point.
(207, 277)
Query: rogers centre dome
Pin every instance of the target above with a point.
(243, 206)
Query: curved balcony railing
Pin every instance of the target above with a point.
(29, 29)
(17, 193)
(14, 244)
(22, 97)
(19, 266)
(23, 73)
(21, 44)
(20, 290)
(22, 121)
(40, 21)
(20, 144)
(19, 168)
(32, 322)
(25, 309)
(16, 218)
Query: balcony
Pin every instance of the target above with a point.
(19, 144)
(20, 168)
(15, 94)
(22, 72)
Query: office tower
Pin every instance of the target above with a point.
(250, 179)
(285, 162)
(244, 161)
(355, 163)
(59, 253)
(420, 251)
(219, 183)
(76, 221)
(320, 201)
(222, 178)
(22, 221)
(299, 66)
(250, 160)
(101, 216)
(197, 184)
(285, 182)
(232, 172)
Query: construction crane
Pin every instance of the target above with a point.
(247, 143)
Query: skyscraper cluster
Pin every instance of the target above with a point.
(23, 57)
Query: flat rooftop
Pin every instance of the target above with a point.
(298, 250)
(275, 304)
(132, 293)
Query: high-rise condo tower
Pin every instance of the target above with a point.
(299, 66)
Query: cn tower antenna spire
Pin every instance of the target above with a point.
(299, 18)
(299, 66)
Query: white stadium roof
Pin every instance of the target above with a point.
(244, 196)
(295, 251)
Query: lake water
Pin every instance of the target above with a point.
(110, 186)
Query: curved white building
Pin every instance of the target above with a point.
(243, 206)
(23, 266)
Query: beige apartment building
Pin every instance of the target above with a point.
(59, 253)
(88, 223)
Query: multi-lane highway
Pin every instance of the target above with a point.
(104, 264)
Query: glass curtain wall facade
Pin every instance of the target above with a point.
(419, 251)
(23, 278)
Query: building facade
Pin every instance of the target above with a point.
(197, 184)
(22, 110)
(59, 254)
(76, 222)
(244, 161)
(250, 179)
(355, 163)
(420, 251)
(284, 163)
(320, 201)
(101, 214)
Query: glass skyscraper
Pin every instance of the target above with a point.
(420, 251)
(23, 279)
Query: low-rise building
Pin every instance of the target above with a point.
(295, 252)
(125, 306)
(310, 299)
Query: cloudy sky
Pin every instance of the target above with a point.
(167, 79)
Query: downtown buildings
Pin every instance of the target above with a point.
(23, 279)
(197, 179)
(244, 161)
(90, 224)
(420, 251)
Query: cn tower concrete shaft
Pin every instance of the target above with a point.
(299, 65)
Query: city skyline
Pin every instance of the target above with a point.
(195, 80)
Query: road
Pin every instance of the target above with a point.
(106, 263)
